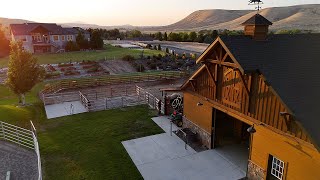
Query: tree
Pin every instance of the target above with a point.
(184, 36)
(4, 44)
(208, 40)
(200, 38)
(96, 41)
(192, 36)
(159, 47)
(167, 50)
(23, 71)
(165, 36)
(81, 41)
(71, 46)
(158, 36)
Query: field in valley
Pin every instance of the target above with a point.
(110, 53)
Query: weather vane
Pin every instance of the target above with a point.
(257, 3)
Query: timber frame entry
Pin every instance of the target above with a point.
(245, 95)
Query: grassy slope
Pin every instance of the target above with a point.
(110, 53)
(83, 146)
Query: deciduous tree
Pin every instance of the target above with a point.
(4, 44)
(24, 72)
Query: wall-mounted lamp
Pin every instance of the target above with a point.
(251, 129)
(199, 104)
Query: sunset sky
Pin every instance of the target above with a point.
(120, 12)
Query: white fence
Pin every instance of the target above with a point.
(22, 137)
(150, 99)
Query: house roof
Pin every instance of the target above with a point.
(257, 19)
(27, 28)
(290, 64)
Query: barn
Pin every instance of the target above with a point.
(258, 93)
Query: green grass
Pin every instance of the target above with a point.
(110, 53)
(83, 146)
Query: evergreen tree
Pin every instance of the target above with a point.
(23, 71)
(192, 36)
(158, 36)
(81, 42)
(159, 47)
(165, 36)
(96, 41)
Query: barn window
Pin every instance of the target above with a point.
(276, 168)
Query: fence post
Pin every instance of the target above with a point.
(4, 136)
(18, 136)
(106, 103)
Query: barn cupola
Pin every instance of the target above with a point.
(257, 26)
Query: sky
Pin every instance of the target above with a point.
(122, 12)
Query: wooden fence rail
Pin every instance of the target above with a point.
(108, 80)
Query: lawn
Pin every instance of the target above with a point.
(109, 53)
(83, 146)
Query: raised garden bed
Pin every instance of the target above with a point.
(87, 62)
(71, 73)
(65, 64)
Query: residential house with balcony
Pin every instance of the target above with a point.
(44, 37)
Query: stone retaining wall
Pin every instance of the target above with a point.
(255, 172)
(204, 136)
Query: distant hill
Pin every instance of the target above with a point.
(304, 17)
(7, 21)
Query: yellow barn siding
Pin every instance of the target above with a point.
(199, 115)
(302, 161)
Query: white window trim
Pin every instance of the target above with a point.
(25, 39)
(277, 168)
(69, 38)
(63, 38)
(55, 36)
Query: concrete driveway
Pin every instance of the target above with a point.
(164, 157)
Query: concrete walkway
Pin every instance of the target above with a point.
(22, 163)
(64, 109)
(164, 157)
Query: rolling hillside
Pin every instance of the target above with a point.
(304, 17)
(6, 21)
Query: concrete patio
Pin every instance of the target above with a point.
(64, 109)
(164, 156)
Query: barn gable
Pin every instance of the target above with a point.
(221, 79)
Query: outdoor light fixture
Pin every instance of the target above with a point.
(199, 104)
(251, 129)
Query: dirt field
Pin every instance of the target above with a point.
(118, 67)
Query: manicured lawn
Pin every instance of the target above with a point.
(83, 146)
(110, 53)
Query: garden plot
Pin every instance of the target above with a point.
(78, 69)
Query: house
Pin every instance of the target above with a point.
(259, 93)
(44, 37)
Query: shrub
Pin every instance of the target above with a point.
(128, 58)
(153, 66)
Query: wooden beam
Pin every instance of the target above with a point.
(244, 83)
(191, 82)
(216, 54)
(211, 76)
(224, 57)
(223, 63)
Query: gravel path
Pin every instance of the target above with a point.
(20, 161)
